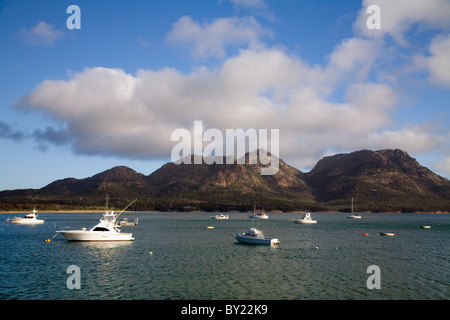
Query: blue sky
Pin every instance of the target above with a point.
(77, 102)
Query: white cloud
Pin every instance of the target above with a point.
(212, 39)
(42, 34)
(439, 61)
(108, 111)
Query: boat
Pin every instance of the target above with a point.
(255, 236)
(353, 215)
(306, 219)
(389, 234)
(107, 229)
(425, 227)
(220, 217)
(30, 218)
(127, 223)
(259, 215)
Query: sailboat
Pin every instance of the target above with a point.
(353, 215)
(259, 215)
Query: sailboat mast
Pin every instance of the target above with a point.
(352, 205)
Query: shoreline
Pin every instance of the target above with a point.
(154, 211)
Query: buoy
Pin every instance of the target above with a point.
(210, 227)
(150, 253)
(365, 234)
(48, 240)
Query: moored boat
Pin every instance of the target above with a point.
(107, 229)
(30, 218)
(127, 223)
(220, 217)
(259, 215)
(389, 234)
(353, 215)
(306, 219)
(255, 236)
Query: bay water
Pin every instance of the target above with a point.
(176, 257)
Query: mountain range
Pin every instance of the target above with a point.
(379, 181)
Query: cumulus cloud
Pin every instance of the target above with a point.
(42, 34)
(108, 111)
(439, 61)
(111, 112)
(212, 39)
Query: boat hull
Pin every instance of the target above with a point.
(82, 235)
(248, 240)
(301, 221)
(32, 222)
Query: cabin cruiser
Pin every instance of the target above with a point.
(306, 219)
(255, 236)
(30, 218)
(106, 229)
(127, 223)
(220, 217)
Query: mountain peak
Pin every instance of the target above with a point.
(384, 175)
(383, 180)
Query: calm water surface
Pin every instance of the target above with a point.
(328, 260)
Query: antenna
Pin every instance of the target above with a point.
(107, 201)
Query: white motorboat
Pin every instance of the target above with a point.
(127, 223)
(30, 218)
(255, 236)
(220, 217)
(259, 215)
(306, 219)
(389, 234)
(353, 215)
(106, 229)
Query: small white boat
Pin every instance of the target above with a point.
(306, 219)
(220, 217)
(389, 234)
(255, 236)
(353, 215)
(259, 215)
(30, 218)
(425, 227)
(127, 223)
(106, 229)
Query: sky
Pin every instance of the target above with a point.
(76, 102)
